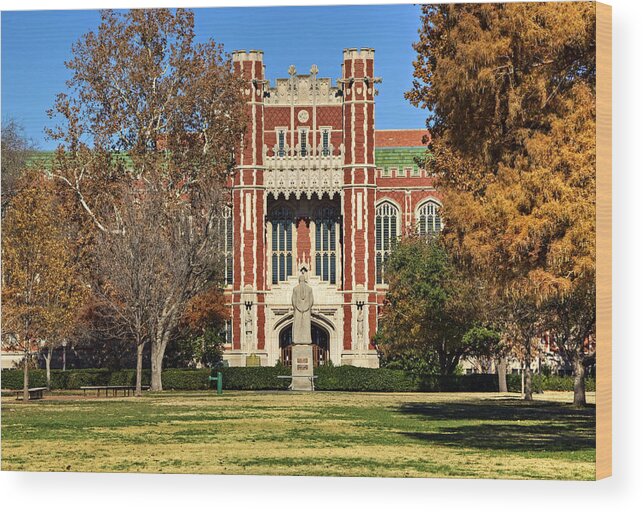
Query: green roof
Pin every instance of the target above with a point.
(45, 159)
(384, 157)
(398, 156)
(40, 159)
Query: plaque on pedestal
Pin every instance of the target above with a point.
(302, 368)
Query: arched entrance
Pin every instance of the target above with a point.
(321, 345)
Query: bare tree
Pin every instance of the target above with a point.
(129, 265)
(150, 109)
(162, 256)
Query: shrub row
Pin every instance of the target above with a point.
(352, 378)
(451, 383)
(548, 383)
(73, 379)
(329, 378)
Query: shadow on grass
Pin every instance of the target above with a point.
(512, 425)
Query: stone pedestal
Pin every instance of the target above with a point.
(302, 368)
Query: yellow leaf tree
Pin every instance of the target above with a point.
(42, 293)
(511, 93)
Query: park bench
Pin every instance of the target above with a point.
(114, 389)
(312, 380)
(34, 393)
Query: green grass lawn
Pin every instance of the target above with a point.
(324, 433)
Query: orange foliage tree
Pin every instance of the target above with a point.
(511, 93)
(42, 292)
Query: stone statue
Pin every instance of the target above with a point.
(248, 323)
(302, 302)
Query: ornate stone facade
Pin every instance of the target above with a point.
(318, 188)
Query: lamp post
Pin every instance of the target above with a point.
(64, 344)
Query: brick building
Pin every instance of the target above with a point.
(317, 190)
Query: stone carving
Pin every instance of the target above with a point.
(306, 175)
(282, 89)
(361, 345)
(302, 89)
(303, 116)
(302, 302)
(248, 328)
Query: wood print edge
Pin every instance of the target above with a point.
(603, 240)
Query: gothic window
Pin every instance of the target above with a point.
(226, 242)
(303, 141)
(428, 218)
(282, 252)
(325, 141)
(386, 232)
(281, 142)
(326, 241)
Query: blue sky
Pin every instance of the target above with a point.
(35, 45)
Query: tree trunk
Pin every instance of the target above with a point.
(139, 368)
(157, 363)
(48, 367)
(25, 378)
(501, 367)
(579, 381)
(442, 361)
(159, 343)
(528, 384)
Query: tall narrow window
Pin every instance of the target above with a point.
(326, 235)
(226, 243)
(325, 142)
(281, 142)
(303, 142)
(227, 332)
(386, 222)
(282, 254)
(428, 218)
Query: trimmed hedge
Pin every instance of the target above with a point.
(73, 379)
(329, 378)
(451, 383)
(352, 378)
(255, 377)
(548, 383)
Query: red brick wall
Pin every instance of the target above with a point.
(303, 240)
(353, 124)
(249, 250)
(359, 181)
